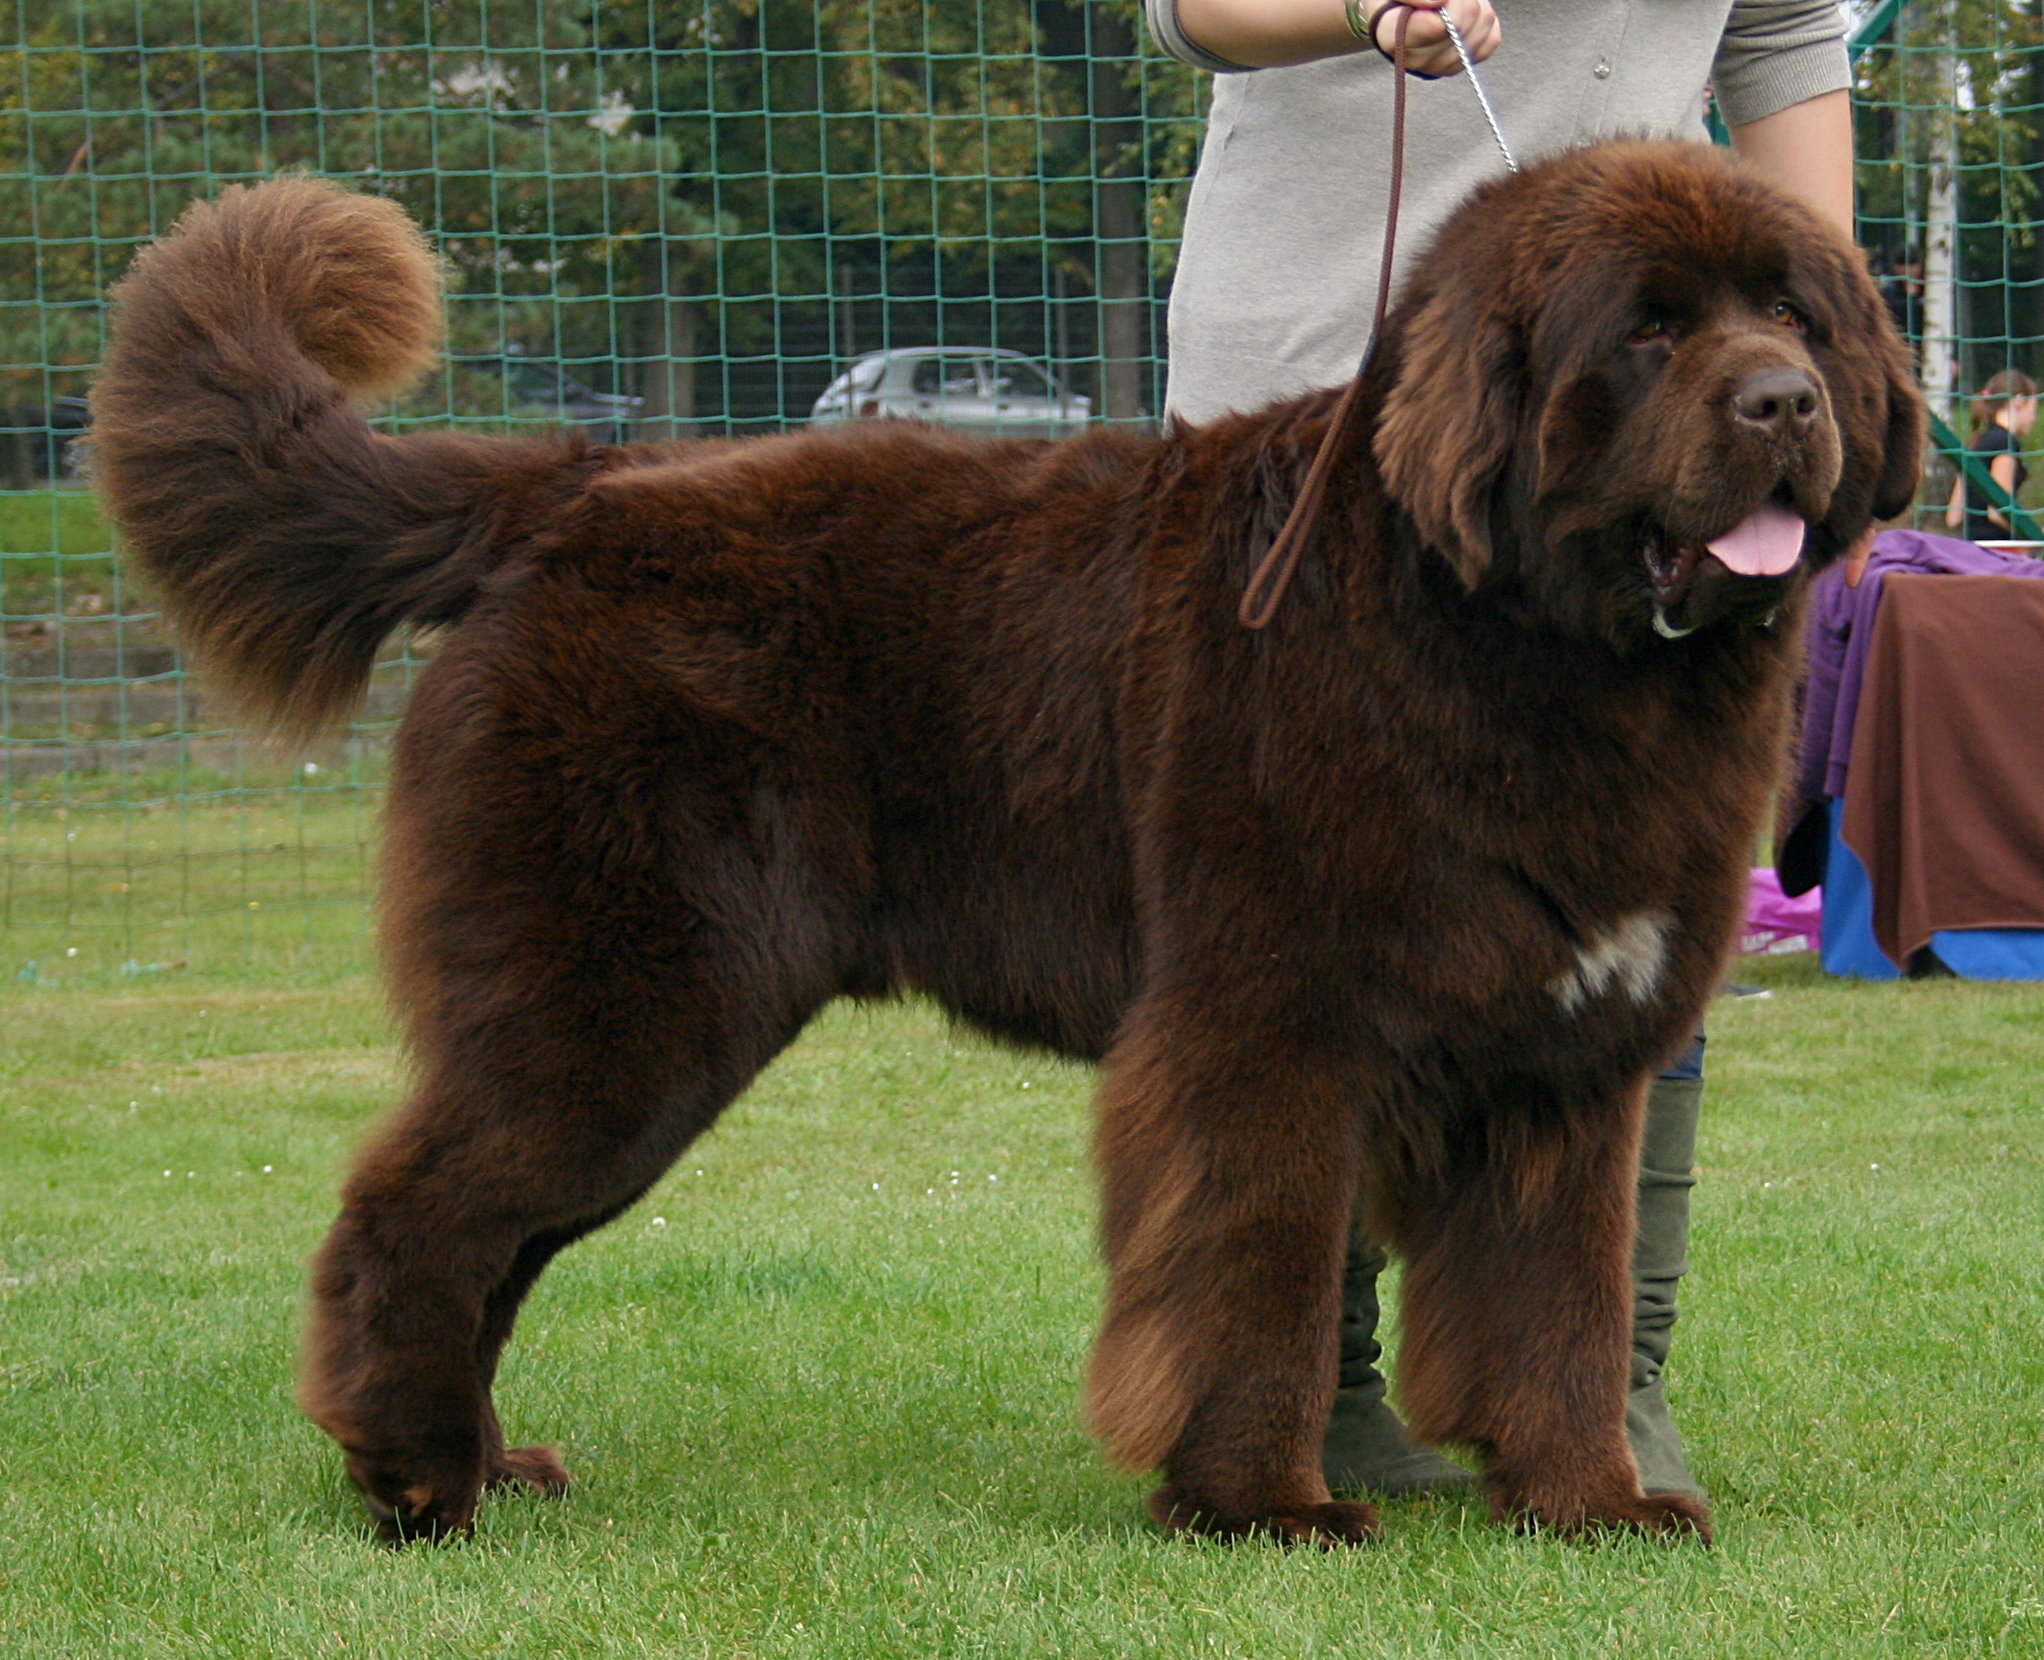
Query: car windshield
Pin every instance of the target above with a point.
(947, 377)
(1014, 379)
(541, 383)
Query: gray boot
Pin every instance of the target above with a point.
(1366, 1448)
(1666, 1174)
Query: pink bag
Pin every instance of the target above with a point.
(1775, 923)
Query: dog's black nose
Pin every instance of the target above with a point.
(1783, 400)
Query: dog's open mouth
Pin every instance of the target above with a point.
(1764, 547)
(1670, 563)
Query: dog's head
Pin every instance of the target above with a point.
(1636, 383)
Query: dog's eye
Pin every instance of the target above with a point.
(1787, 313)
(1655, 331)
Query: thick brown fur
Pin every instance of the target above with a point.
(1407, 894)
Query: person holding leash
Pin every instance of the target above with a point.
(1295, 165)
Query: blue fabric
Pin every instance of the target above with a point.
(1992, 953)
(1849, 948)
(1848, 933)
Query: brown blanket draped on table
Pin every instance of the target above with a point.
(1944, 799)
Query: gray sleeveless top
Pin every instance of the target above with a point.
(1277, 276)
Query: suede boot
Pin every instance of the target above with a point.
(1366, 1448)
(1666, 1174)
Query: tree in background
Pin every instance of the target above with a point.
(904, 145)
(495, 126)
(639, 190)
(1949, 101)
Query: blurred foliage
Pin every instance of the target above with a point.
(574, 155)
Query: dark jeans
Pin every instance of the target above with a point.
(1688, 1064)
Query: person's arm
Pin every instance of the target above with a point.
(1782, 82)
(1955, 509)
(1807, 150)
(1781, 79)
(1266, 34)
(2002, 469)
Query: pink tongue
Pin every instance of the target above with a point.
(1767, 542)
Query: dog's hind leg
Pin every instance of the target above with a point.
(1229, 1172)
(1517, 1319)
(534, 1136)
(539, 1468)
(576, 1022)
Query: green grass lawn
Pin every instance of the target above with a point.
(54, 550)
(819, 1388)
(260, 873)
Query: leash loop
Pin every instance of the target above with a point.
(1273, 573)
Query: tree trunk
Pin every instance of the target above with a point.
(2024, 296)
(1940, 285)
(665, 345)
(1941, 240)
(18, 470)
(1122, 279)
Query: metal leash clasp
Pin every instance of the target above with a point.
(1476, 81)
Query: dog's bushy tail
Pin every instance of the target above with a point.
(284, 538)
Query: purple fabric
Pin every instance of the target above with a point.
(1774, 921)
(1842, 627)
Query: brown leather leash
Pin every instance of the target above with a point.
(1273, 573)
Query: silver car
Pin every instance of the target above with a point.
(981, 387)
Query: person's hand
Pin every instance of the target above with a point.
(1269, 34)
(1428, 50)
(1855, 556)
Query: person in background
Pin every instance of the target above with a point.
(1901, 287)
(1276, 282)
(2003, 412)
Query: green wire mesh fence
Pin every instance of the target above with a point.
(692, 217)
(1949, 98)
(659, 220)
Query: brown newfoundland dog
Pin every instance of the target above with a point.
(1407, 894)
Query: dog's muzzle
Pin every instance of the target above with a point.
(1739, 575)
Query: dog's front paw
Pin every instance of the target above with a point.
(409, 1507)
(1674, 1514)
(1326, 1525)
(1658, 1515)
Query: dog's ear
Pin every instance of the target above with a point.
(1901, 471)
(1450, 419)
(1875, 363)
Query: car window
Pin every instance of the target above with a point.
(538, 383)
(947, 377)
(1020, 380)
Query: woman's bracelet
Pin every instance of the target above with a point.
(1362, 23)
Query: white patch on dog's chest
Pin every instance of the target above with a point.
(1630, 958)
